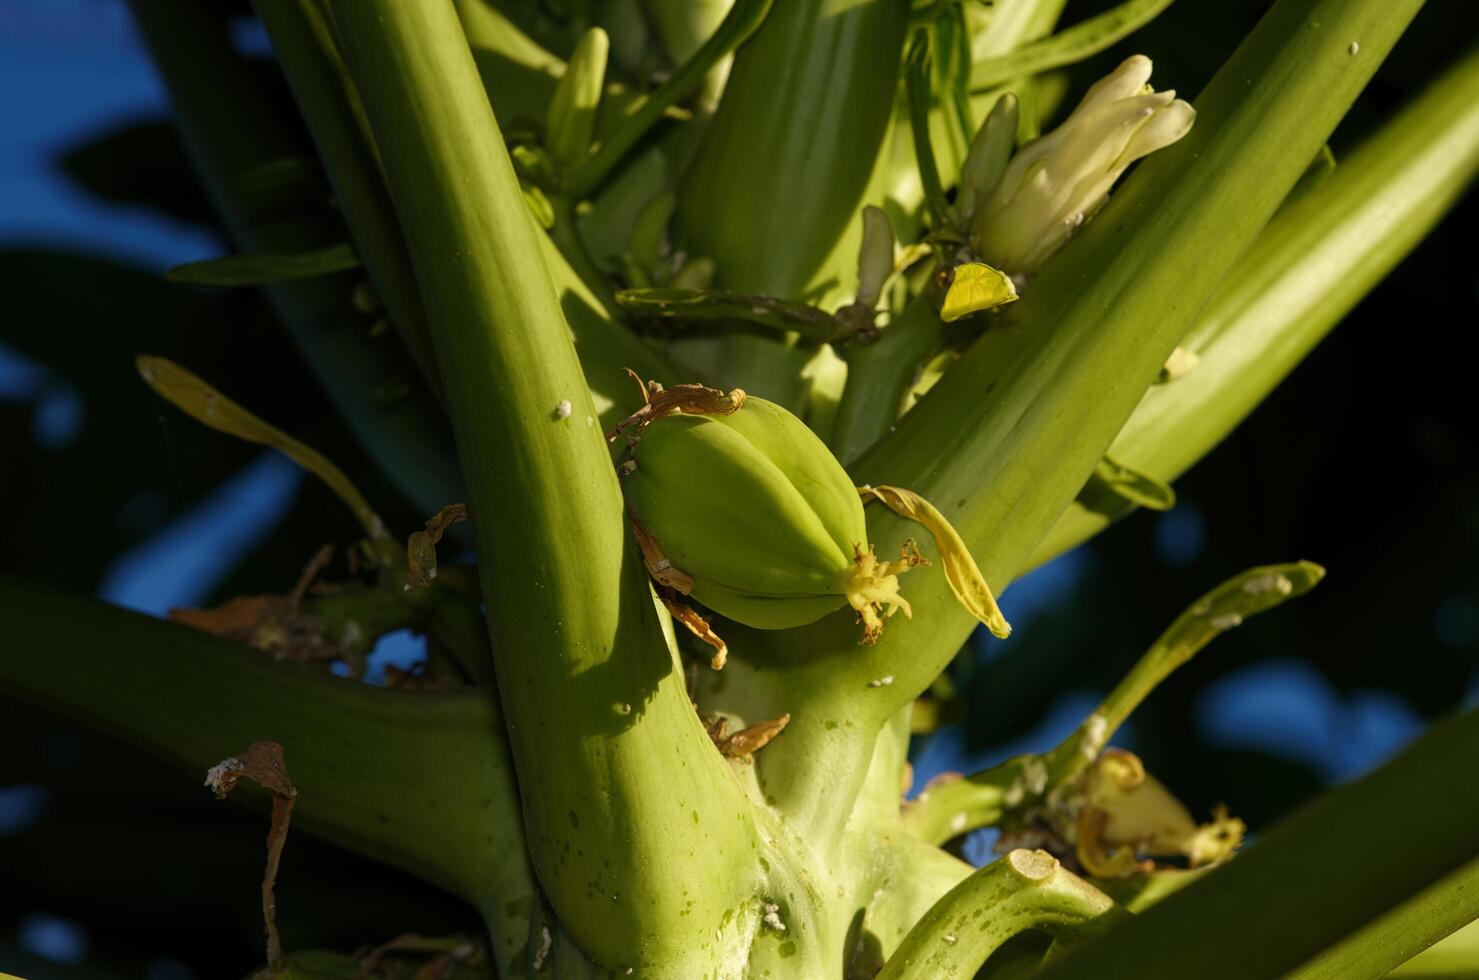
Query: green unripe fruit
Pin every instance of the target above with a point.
(754, 509)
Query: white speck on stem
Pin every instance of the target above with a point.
(545, 942)
(883, 681)
(949, 938)
(564, 409)
(217, 773)
(772, 917)
(1355, 47)
(1096, 730)
(1272, 582)
(1226, 622)
(957, 823)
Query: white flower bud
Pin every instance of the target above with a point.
(1056, 182)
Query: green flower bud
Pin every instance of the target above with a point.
(1055, 183)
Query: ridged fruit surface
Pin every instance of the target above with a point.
(754, 508)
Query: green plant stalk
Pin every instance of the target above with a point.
(1453, 958)
(329, 104)
(738, 24)
(953, 808)
(947, 810)
(1024, 890)
(880, 373)
(230, 131)
(1226, 607)
(1014, 24)
(1078, 42)
(1003, 443)
(791, 148)
(303, 42)
(358, 754)
(1335, 867)
(599, 722)
(257, 270)
(1314, 262)
(918, 76)
(512, 64)
(684, 26)
(1428, 917)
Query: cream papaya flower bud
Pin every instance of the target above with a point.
(1053, 184)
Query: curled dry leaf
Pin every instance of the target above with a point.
(439, 957)
(696, 625)
(263, 764)
(421, 546)
(689, 398)
(747, 741)
(274, 624)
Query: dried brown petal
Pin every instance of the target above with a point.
(263, 764)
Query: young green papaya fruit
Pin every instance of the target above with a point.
(755, 510)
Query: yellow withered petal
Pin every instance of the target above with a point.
(961, 571)
(976, 287)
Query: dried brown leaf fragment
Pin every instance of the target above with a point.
(262, 763)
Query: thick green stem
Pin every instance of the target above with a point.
(1338, 866)
(1428, 917)
(599, 721)
(1023, 890)
(783, 168)
(880, 373)
(232, 131)
(420, 781)
(1314, 262)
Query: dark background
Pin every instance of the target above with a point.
(112, 865)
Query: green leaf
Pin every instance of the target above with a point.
(976, 287)
(258, 270)
(208, 406)
(1066, 47)
(766, 311)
